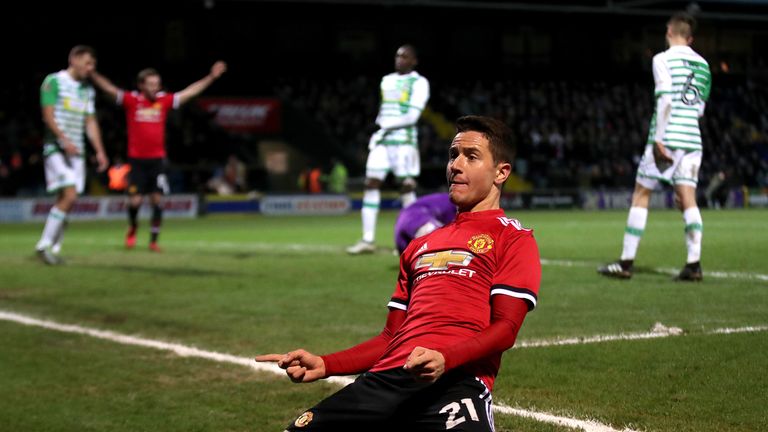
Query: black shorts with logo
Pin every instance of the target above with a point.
(147, 176)
(393, 400)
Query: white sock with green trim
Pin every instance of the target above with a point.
(53, 224)
(371, 203)
(636, 220)
(693, 233)
(56, 248)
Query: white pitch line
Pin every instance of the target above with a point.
(188, 351)
(320, 248)
(181, 350)
(718, 274)
(288, 247)
(731, 330)
(586, 425)
(666, 270)
(659, 331)
(325, 248)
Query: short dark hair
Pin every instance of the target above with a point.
(144, 73)
(683, 24)
(79, 50)
(498, 134)
(411, 48)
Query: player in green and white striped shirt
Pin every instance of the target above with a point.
(394, 147)
(67, 102)
(673, 151)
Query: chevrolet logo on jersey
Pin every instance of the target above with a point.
(150, 114)
(441, 260)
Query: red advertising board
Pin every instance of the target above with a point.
(259, 115)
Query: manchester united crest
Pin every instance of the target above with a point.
(480, 243)
(304, 419)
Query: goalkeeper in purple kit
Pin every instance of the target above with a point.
(425, 215)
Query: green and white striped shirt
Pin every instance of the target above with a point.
(73, 101)
(683, 83)
(403, 98)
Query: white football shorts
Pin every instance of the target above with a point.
(684, 169)
(61, 172)
(401, 160)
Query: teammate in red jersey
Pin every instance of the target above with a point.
(145, 114)
(460, 299)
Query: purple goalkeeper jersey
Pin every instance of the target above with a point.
(436, 208)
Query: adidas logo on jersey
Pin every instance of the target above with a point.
(514, 222)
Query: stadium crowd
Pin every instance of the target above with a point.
(586, 134)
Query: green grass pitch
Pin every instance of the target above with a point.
(250, 284)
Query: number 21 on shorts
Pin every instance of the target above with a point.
(454, 408)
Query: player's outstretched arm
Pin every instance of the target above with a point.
(105, 84)
(200, 85)
(301, 366)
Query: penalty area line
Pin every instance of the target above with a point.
(189, 351)
(658, 331)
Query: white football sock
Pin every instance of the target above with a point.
(636, 220)
(408, 198)
(694, 230)
(53, 224)
(56, 248)
(371, 203)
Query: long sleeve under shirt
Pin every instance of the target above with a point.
(463, 290)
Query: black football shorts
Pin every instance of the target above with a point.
(394, 401)
(147, 176)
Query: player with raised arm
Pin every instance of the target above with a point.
(69, 113)
(673, 152)
(145, 112)
(461, 296)
(394, 146)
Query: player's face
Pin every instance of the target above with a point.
(151, 86)
(82, 65)
(405, 60)
(474, 179)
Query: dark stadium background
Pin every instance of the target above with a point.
(339, 49)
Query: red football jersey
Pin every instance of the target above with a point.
(447, 279)
(145, 120)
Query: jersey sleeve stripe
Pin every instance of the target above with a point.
(398, 304)
(521, 293)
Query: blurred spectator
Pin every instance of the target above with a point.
(230, 178)
(310, 180)
(716, 192)
(118, 175)
(336, 180)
